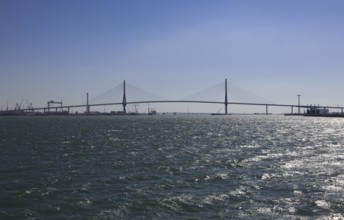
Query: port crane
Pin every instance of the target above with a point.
(52, 102)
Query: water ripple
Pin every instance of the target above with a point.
(174, 167)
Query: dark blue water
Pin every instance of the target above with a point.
(171, 167)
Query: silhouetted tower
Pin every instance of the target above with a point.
(88, 105)
(226, 98)
(299, 109)
(124, 102)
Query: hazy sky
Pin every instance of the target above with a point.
(61, 49)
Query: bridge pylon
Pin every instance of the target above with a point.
(87, 105)
(124, 102)
(226, 98)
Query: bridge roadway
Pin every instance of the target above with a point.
(182, 101)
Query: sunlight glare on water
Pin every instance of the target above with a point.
(172, 167)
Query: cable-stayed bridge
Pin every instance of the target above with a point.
(126, 94)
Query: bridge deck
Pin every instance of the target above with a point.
(176, 101)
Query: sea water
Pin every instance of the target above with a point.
(171, 167)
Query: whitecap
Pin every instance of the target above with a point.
(297, 192)
(85, 203)
(207, 178)
(292, 164)
(222, 175)
(291, 210)
(335, 216)
(266, 176)
(210, 199)
(322, 204)
(239, 191)
(249, 146)
(85, 187)
(48, 191)
(114, 139)
(264, 210)
(183, 198)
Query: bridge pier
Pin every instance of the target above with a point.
(266, 109)
(292, 109)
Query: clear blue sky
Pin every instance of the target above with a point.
(61, 49)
